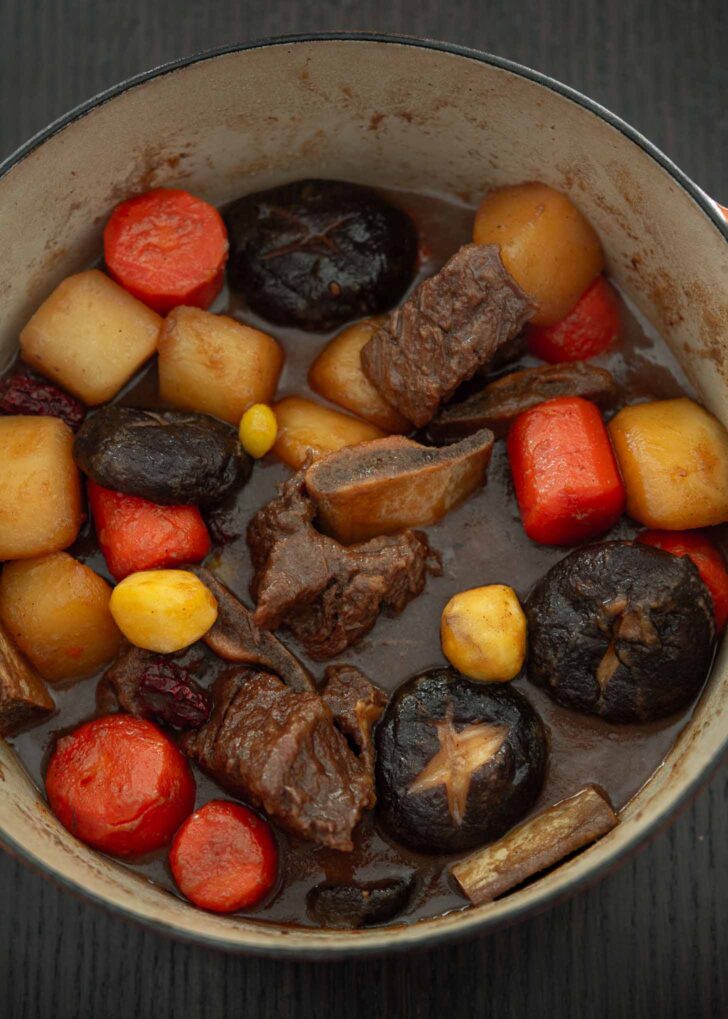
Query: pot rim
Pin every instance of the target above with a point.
(414, 936)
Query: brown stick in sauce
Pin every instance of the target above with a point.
(23, 695)
(532, 847)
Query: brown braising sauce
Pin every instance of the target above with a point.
(483, 542)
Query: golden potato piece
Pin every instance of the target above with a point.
(673, 456)
(56, 610)
(40, 493)
(304, 426)
(546, 244)
(338, 376)
(163, 610)
(215, 365)
(91, 336)
(483, 633)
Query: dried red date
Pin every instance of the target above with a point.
(26, 393)
(169, 694)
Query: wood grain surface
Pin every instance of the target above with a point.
(651, 939)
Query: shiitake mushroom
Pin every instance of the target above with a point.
(168, 456)
(319, 253)
(360, 904)
(621, 631)
(458, 763)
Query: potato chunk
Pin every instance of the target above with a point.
(91, 336)
(546, 244)
(483, 633)
(338, 376)
(213, 364)
(40, 494)
(56, 609)
(304, 425)
(673, 456)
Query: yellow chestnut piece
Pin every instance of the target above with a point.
(483, 633)
(547, 245)
(258, 430)
(673, 456)
(163, 610)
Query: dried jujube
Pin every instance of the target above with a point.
(621, 631)
(318, 253)
(458, 763)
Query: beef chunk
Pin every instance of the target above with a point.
(236, 637)
(500, 402)
(280, 750)
(356, 705)
(383, 486)
(328, 596)
(453, 324)
(24, 698)
(622, 631)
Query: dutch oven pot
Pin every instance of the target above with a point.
(394, 113)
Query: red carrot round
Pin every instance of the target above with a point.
(224, 857)
(706, 556)
(167, 247)
(589, 329)
(119, 784)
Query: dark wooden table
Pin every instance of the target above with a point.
(652, 939)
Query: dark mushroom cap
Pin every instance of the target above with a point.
(168, 456)
(621, 631)
(361, 904)
(318, 253)
(458, 763)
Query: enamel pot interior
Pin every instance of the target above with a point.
(396, 114)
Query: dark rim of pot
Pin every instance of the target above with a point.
(419, 935)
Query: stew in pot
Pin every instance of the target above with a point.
(362, 551)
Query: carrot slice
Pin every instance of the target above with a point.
(224, 857)
(167, 247)
(119, 784)
(564, 472)
(589, 329)
(136, 534)
(706, 556)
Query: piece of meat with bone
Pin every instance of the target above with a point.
(235, 637)
(279, 749)
(328, 595)
(356, 704)
(500, 402)
(387, 485)
(454, 323)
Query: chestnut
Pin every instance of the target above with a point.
(621, 631)
(458, 763)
